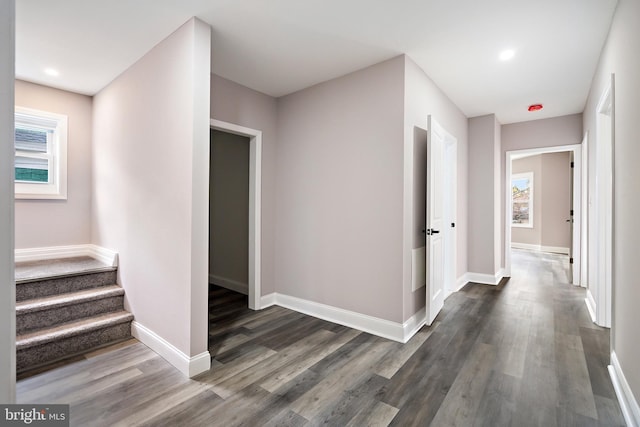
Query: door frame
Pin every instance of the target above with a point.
(578, 177)
(450, 206)
(255, 205)
(600, 303)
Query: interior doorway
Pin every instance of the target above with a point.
(254, 208)
(574, 215)
(229, 211)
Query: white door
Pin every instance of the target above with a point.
(435, 219)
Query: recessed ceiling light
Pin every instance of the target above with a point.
(51, 72)
(506, 55)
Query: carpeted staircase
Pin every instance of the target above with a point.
(66, 307)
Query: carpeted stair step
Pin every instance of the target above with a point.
(33, 288)
(54, 310)
(70, 339)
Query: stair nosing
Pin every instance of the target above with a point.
(68, 298)
(67, 330)
(88, 271)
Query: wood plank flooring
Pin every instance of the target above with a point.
(524, 353)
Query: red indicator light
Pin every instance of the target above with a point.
(535, 107)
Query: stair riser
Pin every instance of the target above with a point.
(33, 357)
(27, 322)
(61, 285)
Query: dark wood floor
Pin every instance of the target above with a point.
(524, 353)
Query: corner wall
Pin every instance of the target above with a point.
(7, 278)
(150, 187)
(484, 199)
(620, 56)
(339, 183)
(45, 223)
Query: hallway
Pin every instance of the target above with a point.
(524, 353)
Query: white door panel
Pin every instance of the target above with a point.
(435, 219)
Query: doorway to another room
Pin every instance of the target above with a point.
(234, 226)
(541, 213)
(229, 211)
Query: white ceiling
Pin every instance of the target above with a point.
(281, 46)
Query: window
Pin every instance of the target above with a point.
(522, 200)
(40, 154)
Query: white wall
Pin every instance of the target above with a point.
(483, 196)
(44, 223)
(234, 103)
(423, 98)
(229, 210)
(339, 185)
(150, 185)
(620, 56)
(7, 281)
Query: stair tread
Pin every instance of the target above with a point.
(66, 330)
(31, 271)
(61, 300)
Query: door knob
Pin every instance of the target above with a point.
(434, 231)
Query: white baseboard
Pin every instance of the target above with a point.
(628, 402)
(541, 248)
(267, 301)
(485, 279)
(230, 284)
(400, 332)
(462, 282)
(189, 366)
(413, 325)
(555, 249)
(104, 255)
(591, 305)
(528, 246)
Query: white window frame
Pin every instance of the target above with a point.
(56, 188)
(529, 176)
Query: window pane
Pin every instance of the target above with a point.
(32, 170)
(31, 140)
(521, 191)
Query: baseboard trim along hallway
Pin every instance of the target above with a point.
(189, 366)
(400, 332)
(485, 279)
(628, 403)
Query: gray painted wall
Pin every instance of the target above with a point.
(151, 184)
(339, 181)
(620, 56)
(7, 279)
(483, 194)
(552, 193)
(43, 223)
(234, 103)
(556, 199)
(229, 208)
